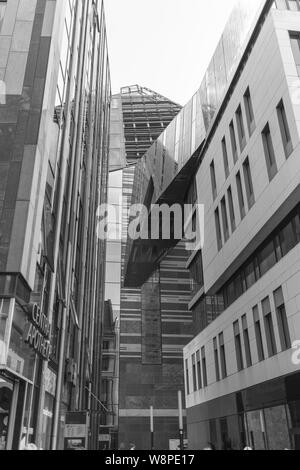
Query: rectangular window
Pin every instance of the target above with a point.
(269, 327)
(194, 372)
(199, 374)
(269, 152)
(241, 128)
(250, 275)
(225, 157)
(222, 356)
(231, 209)
(293, 5)
(187, 378)
(225, 219)
(204, 370)
(2, 12)
(249, 111)
(295, 43)
(258, 334)
(284, 129)
(213, 180)
(240, 195)
(216, 356)
(282, 320)
(246, 341)
(233, 142)
(238, 346)
(248, 183)
(218, 229)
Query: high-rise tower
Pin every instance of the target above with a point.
(154, 320)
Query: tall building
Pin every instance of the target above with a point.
(234, 149)
(54, 134)
(154, 322)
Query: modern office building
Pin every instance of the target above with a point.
(54, 122)
(242, 375)
(234, 149)
(154, 322)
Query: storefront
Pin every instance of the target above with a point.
(264, 417)
(24, 345)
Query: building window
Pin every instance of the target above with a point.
(240, 195)
(269, 152)
(284, 130)
(269, 327)
(248, 183)
(199, 374)
(218, 229)
(246, 341)
(213, 180)
(241, 128)
(293, 5)
(222, 356)
(204, 369)
(279, 244)
(216, 355)
(267, 258)
(295, 43)
(231, 209)
(258, 334)
(233, 142)
(2, 12)
(225, 157)
(282, 321)
(194, 372)
(249, 111)
(238, 346)
(187, 378)
(225, 219)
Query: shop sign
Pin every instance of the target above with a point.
(50, 382)
(38, 331)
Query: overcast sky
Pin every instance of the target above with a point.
(165, 45)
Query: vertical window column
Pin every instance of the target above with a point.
(225, 157)
(249, 111)
(225, 219)
(233, 142)
(194, 372)
(248, 183)
(213, 179)
(187, 377)
(204, 369)
(246, 341)
(284, 130)
(222, 356)
(199, 373)
(240, 195)
(231, 209)
(218, 229)
(241, 128)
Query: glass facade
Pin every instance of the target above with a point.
(49, 250)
